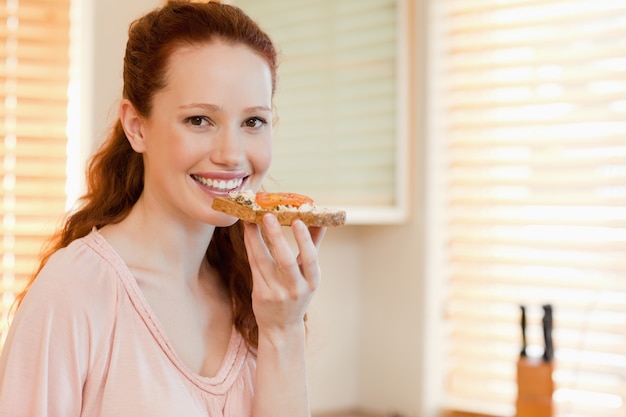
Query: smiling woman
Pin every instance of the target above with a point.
(148, 301)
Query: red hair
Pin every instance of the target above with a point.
(115, 172)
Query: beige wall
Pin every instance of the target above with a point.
(366, 320)
(110, 27)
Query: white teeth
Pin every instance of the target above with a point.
(221, 185)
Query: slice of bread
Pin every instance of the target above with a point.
(285, 215)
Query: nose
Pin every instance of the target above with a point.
(228, 148)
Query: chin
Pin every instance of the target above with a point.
(223, 220)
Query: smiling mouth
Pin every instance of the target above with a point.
(219, 185)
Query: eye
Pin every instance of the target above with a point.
(197, 120)
(254, 122)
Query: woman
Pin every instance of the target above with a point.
(149, 303)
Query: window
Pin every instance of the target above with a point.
(530, 110)
(341, 99)
(34, 53)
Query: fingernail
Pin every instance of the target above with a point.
(270, 220)
(299, 225)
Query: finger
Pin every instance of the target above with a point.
(258, 254)
(307, 241)
(274, 259)
(317, 234)
(279, 246)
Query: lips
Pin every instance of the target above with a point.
(222, 185)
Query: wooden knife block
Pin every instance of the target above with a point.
(534, 388)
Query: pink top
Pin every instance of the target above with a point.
(84, 342)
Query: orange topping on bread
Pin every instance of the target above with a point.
(269, 200)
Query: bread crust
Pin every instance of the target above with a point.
(285, 217)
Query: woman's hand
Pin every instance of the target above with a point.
(283, 285)
(283, 282)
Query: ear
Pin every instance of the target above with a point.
(132, 123)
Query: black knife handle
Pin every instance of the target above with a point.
(523, 325)
(548, 352)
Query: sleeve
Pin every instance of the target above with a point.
(46, 357)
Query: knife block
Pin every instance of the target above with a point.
(534, 388)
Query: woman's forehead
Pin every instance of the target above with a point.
(216, 71)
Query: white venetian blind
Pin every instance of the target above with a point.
(34, 60)
(533, 96)
(337, 138)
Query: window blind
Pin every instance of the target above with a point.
(338, 135)
(533, 110)
(34, 60)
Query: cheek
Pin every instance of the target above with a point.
(260, 156)
(170, 153)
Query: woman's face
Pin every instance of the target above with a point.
(210, 130)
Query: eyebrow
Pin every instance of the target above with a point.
(215, 107)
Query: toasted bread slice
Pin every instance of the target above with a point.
(286, 216)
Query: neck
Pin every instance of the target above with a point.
(160, 246)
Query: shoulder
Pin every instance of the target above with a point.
(61, 327)
(85, 268)
(80, 281)
(72, 304)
